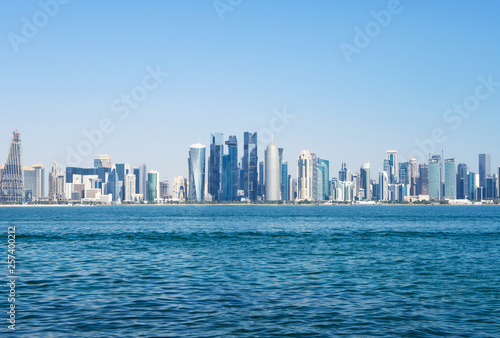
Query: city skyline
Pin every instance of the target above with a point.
(402, 86)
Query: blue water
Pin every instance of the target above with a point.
(223, 271)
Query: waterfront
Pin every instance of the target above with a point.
(211, 271)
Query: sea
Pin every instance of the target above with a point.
(253, 271)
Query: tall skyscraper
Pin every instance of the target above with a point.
(344, 173)
(434, 179)
(12, 183)
(261, 189)
(272, 175)
(105, 161)
(143, 181)
(164, 189)
(113, 186)
(462, 182)
(323, 179)
(450, 179)
(285, 181)
(196, 164)
(404, 173)
(215, 166)
(392, 157)
(153, 186)
(413, 176)
(365, 181)
(230, 190)
(473, 178)
(423, 179)
(129, 188)
(383, 186)
(250, 161)
(179, 188)
(305, 176)
(484, 168)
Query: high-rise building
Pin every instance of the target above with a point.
(230, 170)
(423, 179)
(153, 186)
(462, 182)
(383, 186)
(322, 179)
(250, 161)
(164, 187)
(344, 173)
(105, 161)
(404, 173)
(434, 179)
(122, 170)
(473, 179)
(392, 157)
(413, 176)
(484, 168)
(113, 186)
(129, 187)
(285, 182)
(40, 180)
(196, 164)
(143, 180)
(261, 189)
(215, 166)
(305, 176)
(365, 181)
(12, 182)
(179, 188)
(272, 175)
(450, 179)
(491, 187)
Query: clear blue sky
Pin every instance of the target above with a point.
(229, 75)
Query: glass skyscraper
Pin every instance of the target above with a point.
(215, 166)
(250, 165)
(462, 181)
(434, 179)
(484, 169)
(284, 181)
(323, 187)
(450, 179)
(230, 170)
(365, 181)
(196, 164)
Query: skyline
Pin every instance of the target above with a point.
(232, 76)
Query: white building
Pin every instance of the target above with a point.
(272, 175)
(305, 176)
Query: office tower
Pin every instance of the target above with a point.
(272, 173)
(280, 159)
(450, 179)
(413, 176)
(143, 181)
(215, 166)
(490, 190)
(230, 191)
(196, 163)
(404, 173)
(472, 178)
(40, 180)
(104, 160)
(12, 183)
(137, 179)
(344, 173)
(179, 188)
(484, 168)
(383, 184)
(122, 170)
(29, 183)
(113, 186)
(305, 176)
(365, 181)
(129, 187)
(462, 182)
(375, 190)
(57, 184)
(285, 182)
(434, 179)
(250, 161)
(315, 177)
(153, 186)
(261, 189)
(392, 157)
(423, 179)
(164, 187)
(322, 179)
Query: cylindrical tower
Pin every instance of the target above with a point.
(272, 176)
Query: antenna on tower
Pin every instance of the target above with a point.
(6, 125)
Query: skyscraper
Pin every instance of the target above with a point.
(230, 191)
(450, 179)
(413, 175)
(392, 157)
(323, 179)
(365, 181)
(344, 173)
(462, 182)
(12, 184)
(215, 166)
(153, 186)
(484, 169)
(179, 188)
(129, 188)
(143, 180)
(423, 179)
(272, 176)
(113, 186)
(250, 161)
(305, 176)
(285, 182)
(196, 164)
(383, 186)
(404, 173)
(434, 179)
